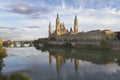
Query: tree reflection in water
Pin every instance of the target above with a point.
(2, 77)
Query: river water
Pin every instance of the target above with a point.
(61, 64)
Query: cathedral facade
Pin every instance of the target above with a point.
(61, 29)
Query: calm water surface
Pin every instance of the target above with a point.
(58, 64)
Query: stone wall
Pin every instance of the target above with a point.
(96, 35)
(115, 45)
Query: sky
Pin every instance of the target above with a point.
(29, 19)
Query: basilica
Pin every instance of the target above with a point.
(61, 30)
(61, 33)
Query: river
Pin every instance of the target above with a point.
(60, 64)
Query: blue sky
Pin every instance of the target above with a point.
(28, 19)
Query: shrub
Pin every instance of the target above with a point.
(88, 45)
(104, 43)
(67, 44)
(19, 76)
(2, 77)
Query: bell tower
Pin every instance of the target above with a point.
(57, 25)
(75, 25)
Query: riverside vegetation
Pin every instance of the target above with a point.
(102, 44)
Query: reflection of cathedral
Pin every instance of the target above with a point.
(76, 63)
(60, 61)
(50, 59)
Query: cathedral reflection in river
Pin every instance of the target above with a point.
(75, 57)
(60, 61)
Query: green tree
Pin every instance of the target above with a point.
(105, 43)
(2, 55)
(2, 52)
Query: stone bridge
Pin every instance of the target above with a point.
(22, 43)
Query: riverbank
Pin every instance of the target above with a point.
(103, 44)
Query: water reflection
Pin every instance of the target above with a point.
(13, 76)
(63, 64)
(60, 61)
(2, 77)
(94, 56)
(84, 65)
(62, 56)
(1, 64)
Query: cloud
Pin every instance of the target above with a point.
(63, 4)
(29, 10)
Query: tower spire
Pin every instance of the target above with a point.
(75, 17)
(57, 15)
(75, 24)
(58, 25)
